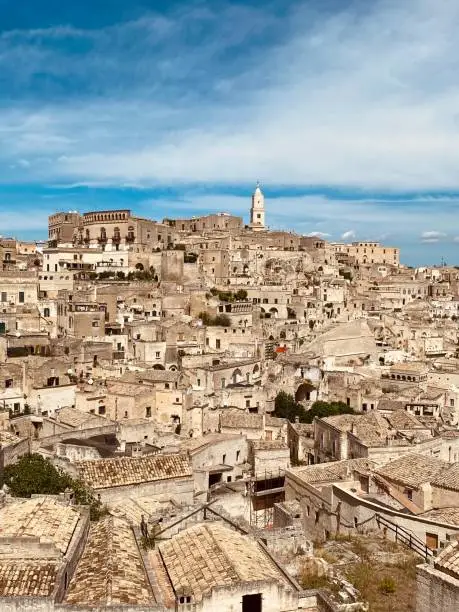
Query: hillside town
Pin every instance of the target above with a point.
(203, 414)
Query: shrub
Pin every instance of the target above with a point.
(221, 320)
(387, 585)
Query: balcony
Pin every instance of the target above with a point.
(116, 239)
(102, 239)
(130, 238)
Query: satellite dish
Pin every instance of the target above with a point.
(90, 381)
(70, 371)
(18, 334)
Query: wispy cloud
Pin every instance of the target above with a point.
(365, 97)
(355, 98)
(432, 236)
(318, 235)
(349, 235)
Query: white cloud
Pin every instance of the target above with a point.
(349, 235)
(318, 235)
(363, 99)
(432, 236)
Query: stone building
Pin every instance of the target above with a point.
(437, 586)
(158, 475)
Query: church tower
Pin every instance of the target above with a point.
(257, 211)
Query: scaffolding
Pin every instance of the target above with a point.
(263, 491)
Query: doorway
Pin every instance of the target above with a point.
(251, 603)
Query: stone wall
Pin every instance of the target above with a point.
(435, 590)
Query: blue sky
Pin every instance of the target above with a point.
(347, 111)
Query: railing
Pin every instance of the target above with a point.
(406, 537)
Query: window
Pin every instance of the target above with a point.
(224, 459)
(409, 494)
(158, 354)
(217, 343)
(8, 383)
(101, 409)
(95, 323)
(125, 414)
(46, 312)
(148, 412)
(4, 296)
(21, 297)
(238, 454)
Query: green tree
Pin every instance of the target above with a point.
(34, 475)
(322, 409)
(241, 295)
(286, 407)
(222, 320)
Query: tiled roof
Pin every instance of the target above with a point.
(7, 439)
(448, 478)
(401, 419)
(210, 555)
(40, 517)
(76, 418)
(448, 559)
(391, 404)
(32, 578)
(268, 444)
(122, 471)
(343, 422)
(413, 470)
(238, 419)
(303, 429)
(153, 375)
(111, 570)
(443, 515)
(333, 471)
(194, 445)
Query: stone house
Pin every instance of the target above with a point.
(216, 458)
(157, 476)
(268, 456)
(41, 541)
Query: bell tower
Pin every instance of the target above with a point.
(257, 210)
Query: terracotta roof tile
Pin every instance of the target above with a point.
(110, 570)
(40, 517)
(413, 470)
(209, 555)
(122, 471)
(20, 578)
